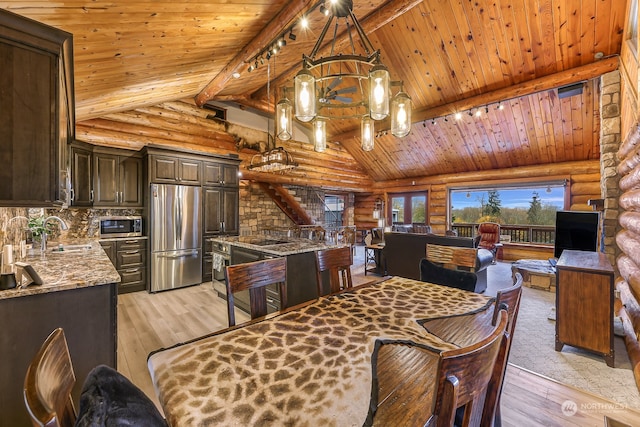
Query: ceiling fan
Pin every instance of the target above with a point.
(329, 94)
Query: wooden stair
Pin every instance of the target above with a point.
(287, 203)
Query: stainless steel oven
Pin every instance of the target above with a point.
(221, 254)
(120, 226)
(221, 257)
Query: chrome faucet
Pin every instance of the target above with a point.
(63, 226)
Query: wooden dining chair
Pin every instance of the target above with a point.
(463, 379)
(349, 234)
(509, 300)
(338, 263)
(107, 397)
(48, 384)
(255, 277)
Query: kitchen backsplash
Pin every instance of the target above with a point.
(83, 223)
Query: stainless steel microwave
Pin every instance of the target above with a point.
(120, 226)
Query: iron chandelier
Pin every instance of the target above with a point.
(344, 86)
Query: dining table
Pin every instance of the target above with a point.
(317, 363)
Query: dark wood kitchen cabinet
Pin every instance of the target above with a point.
(221, 207)
(88, 316)
(129, 257)
(220, 174)
(175, 170)
(109, 247)
(81, 156)
(118, 178)
(38, 111)
(221, 199)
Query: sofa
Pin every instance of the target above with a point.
(403, 252)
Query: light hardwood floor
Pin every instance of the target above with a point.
(147, 322)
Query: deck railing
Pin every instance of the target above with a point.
(530, 234)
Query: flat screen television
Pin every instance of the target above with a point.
(577, 231)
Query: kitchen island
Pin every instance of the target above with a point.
(301, 265)
(78, 294)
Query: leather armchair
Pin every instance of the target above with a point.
(489, 237)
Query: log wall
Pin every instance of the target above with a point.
(182, 124)
(628, 241)
(628, 171)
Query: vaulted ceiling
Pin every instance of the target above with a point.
(501, 58)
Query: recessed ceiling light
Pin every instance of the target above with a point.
(236, 75)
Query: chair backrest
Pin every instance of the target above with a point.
(464, 375)
(489, 235)
(317, 234)
(377, 235)
(255, 277)
(349, 234)
(48, 384)
(452, 256)
(509, 300)
(338, 263)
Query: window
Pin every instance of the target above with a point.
(533, 204)
(408, 208)
(526, 213)
(333, 210)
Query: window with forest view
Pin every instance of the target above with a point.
(526, 214)
(531, 205)
(409, 208)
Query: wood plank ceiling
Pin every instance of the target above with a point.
(501, 59)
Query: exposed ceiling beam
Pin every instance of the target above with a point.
(292, 11)
(573, 75)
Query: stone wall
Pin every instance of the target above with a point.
(610, 140)
(258, 212)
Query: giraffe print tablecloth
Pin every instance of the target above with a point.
(306, 367)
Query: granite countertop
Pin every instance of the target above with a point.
(274, 246)
(70, 269)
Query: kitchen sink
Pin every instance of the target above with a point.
(72, 248)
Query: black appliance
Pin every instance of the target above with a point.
(576, 230)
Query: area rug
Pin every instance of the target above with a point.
(533, 348)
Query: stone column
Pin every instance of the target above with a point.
(610, 140)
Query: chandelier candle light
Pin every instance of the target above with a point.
(321, 84)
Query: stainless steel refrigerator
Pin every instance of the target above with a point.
(176, 236)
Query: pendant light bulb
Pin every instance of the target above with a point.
(284, 128)
(305, 95)
(320, 135)
(379, 92)
(401, 115)
(367, 133)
